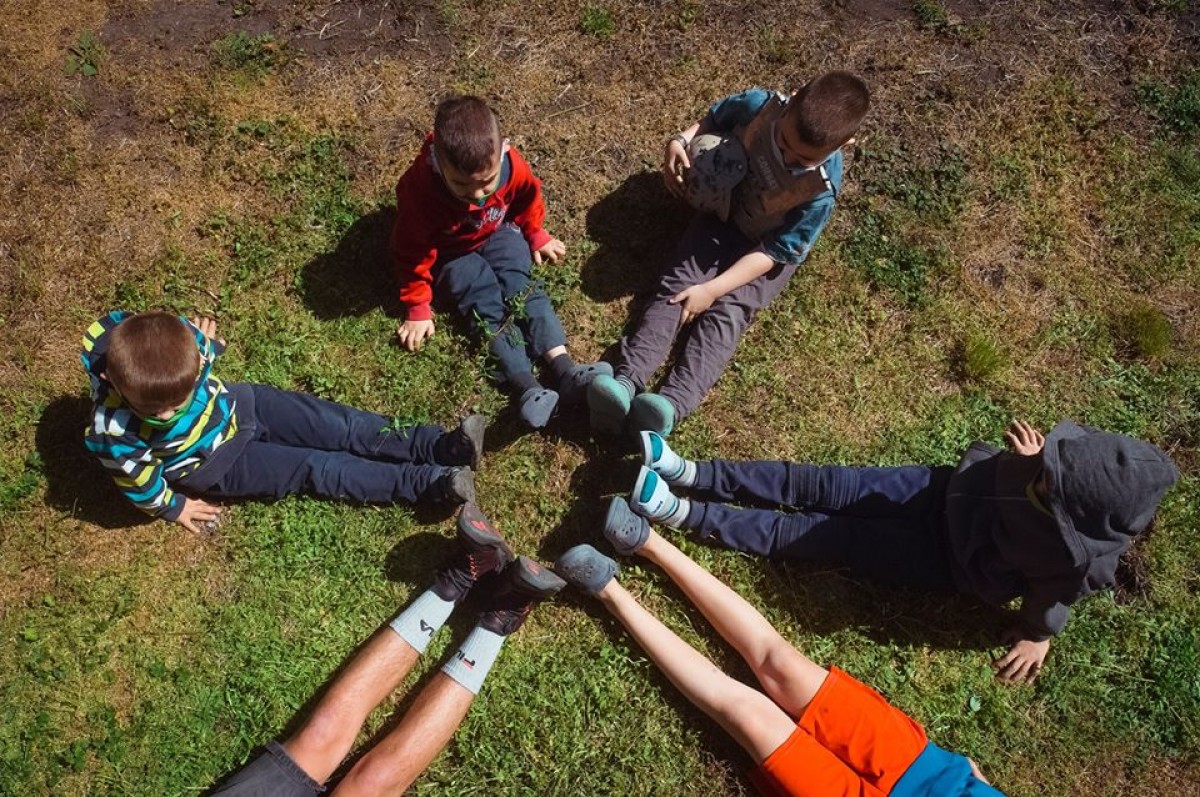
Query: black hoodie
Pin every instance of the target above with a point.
(1104, 489)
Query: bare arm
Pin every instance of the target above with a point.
(698, 298)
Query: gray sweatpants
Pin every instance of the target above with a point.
(707, 248)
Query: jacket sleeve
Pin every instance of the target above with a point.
(413, 253)
(791, 243)
(1042, 616)
(137, 473)
(737, 109)
(528, 210)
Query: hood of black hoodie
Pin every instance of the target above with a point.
(1104, 487)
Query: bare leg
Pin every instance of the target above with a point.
(329, 732)
(749, 716)
(787, 675)
(400, 757)
(554, 352)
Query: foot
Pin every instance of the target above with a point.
(463, 446)
(651, 412)
(455, 486)
(608, 403)
(537, 405)
(483, 551)
(586, 568)
(573, 387)
(652, 498)
(626, 531)
(526, 583)
(659, 457)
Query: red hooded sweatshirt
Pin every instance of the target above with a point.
(434, 225)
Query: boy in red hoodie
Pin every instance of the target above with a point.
(469, 229)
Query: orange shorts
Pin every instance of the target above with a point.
(849, 741)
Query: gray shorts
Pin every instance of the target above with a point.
(272, 773)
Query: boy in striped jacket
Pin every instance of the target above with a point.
(167, 429)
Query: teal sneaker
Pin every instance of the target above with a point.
(652, 413)
(608, 404)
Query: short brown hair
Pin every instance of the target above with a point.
(466, 133)
(829, 108)
(153, 360)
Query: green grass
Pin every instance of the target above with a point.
(141, 660)
(250, 56)
(597, 21)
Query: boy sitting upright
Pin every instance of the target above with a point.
(161, 422)
(766, 169)
(469, 228)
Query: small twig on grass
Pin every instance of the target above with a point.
(568, 110)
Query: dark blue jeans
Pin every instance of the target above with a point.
(881, 523)
(303, 444)
(482, 285)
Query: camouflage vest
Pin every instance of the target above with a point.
(770, 189)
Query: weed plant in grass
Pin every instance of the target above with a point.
(1145, 331)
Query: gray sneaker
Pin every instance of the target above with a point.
(623, 528)
(586, 568)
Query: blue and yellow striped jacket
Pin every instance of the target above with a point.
(144, 460)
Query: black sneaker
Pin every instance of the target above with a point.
(524, 585)
(483, 551)
(455, 486)
(463, 446)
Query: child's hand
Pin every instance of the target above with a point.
(675, 166)
(207, 326)
(1023, 662)
(553, 250)
(977, 773)
(1024, 439)
(694, 300)
(412, 334)
(196, 512)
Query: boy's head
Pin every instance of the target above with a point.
(822, 116)
(1104, 488)
(153, 362)
(467, 138)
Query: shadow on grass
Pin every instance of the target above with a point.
(356, 277)
(635, 227)
(76, 484)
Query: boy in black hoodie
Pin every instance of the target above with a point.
(1046, 522)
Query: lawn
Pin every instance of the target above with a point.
(1019, 236)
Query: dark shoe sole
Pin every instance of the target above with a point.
(477, 532)
(473, 428)
(534, 580)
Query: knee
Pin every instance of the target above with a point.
(374, 774)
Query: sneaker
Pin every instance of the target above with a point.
(526, 583)
(651, 412)
(463, 446)
(608, 404)
(651, 497)
(455, 486)
(626, 531)
(483, 551)
(586, 568)
(537, 405)
(573, 388)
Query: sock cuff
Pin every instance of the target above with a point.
(470, 664)
(421, 619)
